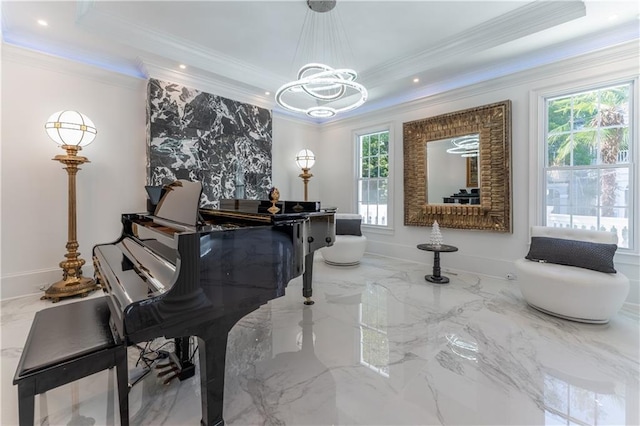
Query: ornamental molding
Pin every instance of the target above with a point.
(210, 85)
(526, 20)
(158, 43)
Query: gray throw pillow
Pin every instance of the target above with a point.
(583, 254)
(348, 227)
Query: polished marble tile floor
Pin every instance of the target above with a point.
(381, 346)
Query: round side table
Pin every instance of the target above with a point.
(442, 248)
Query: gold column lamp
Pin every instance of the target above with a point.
(305, 160)
(71, 130)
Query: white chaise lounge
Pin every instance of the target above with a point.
(572, 292)
(350, 244)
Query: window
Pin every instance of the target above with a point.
(373, 177)
(587, 166)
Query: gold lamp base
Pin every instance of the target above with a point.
(72, 286)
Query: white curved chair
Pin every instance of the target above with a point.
(349, 245)
(572, 292)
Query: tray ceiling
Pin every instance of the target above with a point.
(246, 48)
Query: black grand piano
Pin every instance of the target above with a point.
(185, 271)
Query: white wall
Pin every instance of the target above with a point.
(34, 188)
(33, 208)
(479, 251)
(289, 137)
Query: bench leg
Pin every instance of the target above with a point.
(122, 372)
(26, 403)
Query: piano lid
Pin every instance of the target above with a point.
(180, 202)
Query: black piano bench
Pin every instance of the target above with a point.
(67, 343)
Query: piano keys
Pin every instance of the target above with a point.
(199, 276)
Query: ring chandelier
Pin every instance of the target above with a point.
(326, 84)
(466, 146)
(320, 90)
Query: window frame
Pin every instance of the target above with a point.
(538, 150)
(357, 134)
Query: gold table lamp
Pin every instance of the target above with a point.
(71, 130)
(305, 160)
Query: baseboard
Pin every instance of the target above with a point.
(27, 283)
(456, 261)
(490, 267)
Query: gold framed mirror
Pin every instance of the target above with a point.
(493, 211)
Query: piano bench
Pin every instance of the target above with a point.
(67, 343)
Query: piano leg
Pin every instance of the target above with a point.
(212, 349)
(307, 277)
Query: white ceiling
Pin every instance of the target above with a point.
(245, 48)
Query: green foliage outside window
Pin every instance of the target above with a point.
(587, 157)
(375, 158)
(373, 177)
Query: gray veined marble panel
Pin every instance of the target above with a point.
(200, 136)
(381, 346)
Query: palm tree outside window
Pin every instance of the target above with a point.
(587, 166)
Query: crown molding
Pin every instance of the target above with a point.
(49, 62)
(297, 119)
(627, 54)
(182, 50)
(211, 85)
(608, 48)
(525, 20)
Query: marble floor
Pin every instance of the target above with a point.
(381, 346)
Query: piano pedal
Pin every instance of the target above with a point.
(168, 368)
(181, 371)
(170, 378)
(181, 374)
(171, 369)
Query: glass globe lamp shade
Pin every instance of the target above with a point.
(70, 128)
(305, 159)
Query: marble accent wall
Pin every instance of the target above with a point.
(199, 136)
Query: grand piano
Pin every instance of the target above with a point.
(184, 271)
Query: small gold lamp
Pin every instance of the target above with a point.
(71, 130)
(305, 160)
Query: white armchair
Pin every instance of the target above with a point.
(350, 244)
(572, 292)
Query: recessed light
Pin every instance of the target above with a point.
(267, 93)
(416, 80)
(182, 66)
(43, 22)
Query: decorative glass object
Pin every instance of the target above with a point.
(436, 236)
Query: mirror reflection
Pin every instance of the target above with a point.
(452, 170)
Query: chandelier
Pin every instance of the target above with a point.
(466, 146)
(320, 90)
